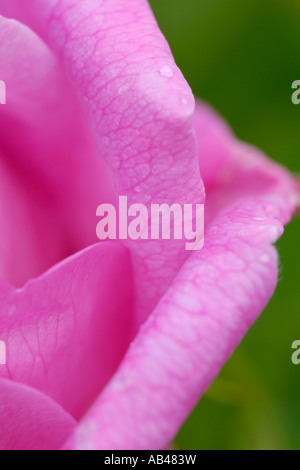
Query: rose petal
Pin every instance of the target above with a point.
(45, 143)
(233, 171)
(217, 295)
(199, 322)
(27, 243)
(213, 301)
(18, 10)
(30, 420)
(141, 111)
(215, 141)
(67, 331)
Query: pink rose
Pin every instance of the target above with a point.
(112, 347)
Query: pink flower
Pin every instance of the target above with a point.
(112, 347)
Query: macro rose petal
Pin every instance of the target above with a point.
(215, 140)
(20, 238)
(233, 170)
(215, 298)
(30, 243)
(20, 11)
(30, 420)
(141, 113)
(140, 109)
(63, 331)
(44, 142)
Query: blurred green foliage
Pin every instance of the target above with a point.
(242, 57)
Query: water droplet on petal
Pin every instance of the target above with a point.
(166, 71)
(265, 258)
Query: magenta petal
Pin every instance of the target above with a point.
(140, 110)
(215, 140)
(67, 331)
(234, 171)
(217, 295)
(215, 298)
(45, 143)
(27, 244)
(30, 420)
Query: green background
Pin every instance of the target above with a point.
(242, 57)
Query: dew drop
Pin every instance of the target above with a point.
(166, 71)
(265, 258)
